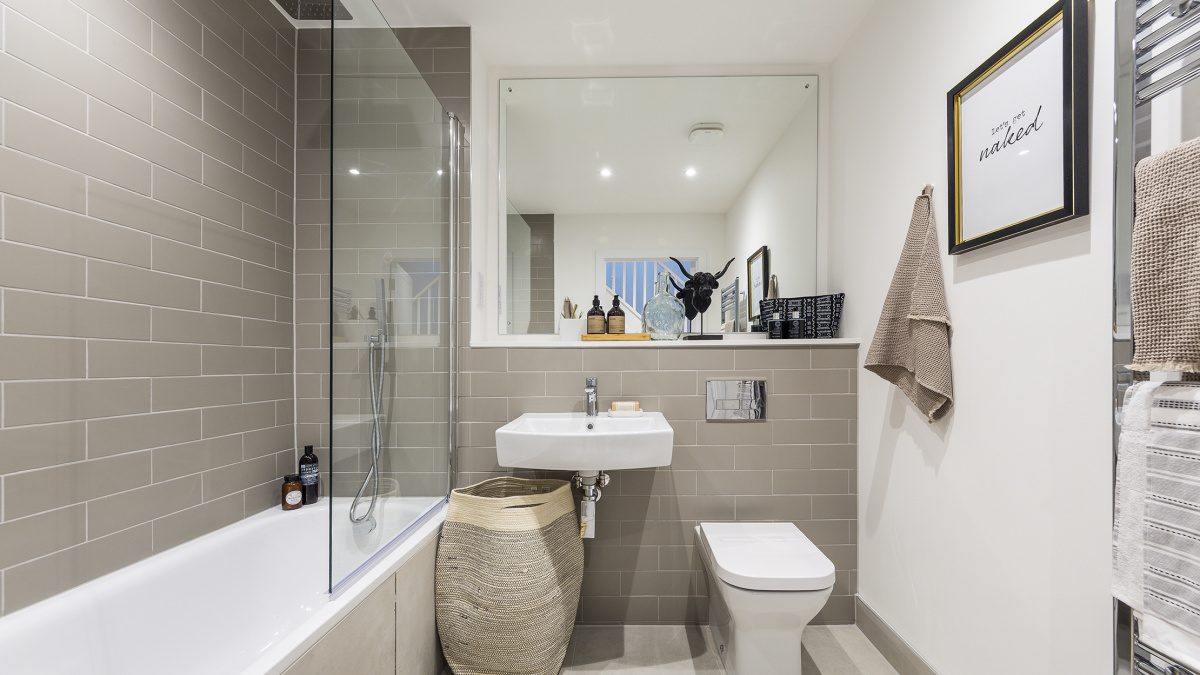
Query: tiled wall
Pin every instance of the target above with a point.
(798, 465)
(313, 90)
(393, 210)
(443, 57)
(541, 272)
(145, 279)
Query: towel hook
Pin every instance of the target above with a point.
(928, 191)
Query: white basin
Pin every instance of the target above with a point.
(575, 442)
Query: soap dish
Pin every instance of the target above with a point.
(625, 413)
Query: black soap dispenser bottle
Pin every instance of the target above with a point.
(310, 472)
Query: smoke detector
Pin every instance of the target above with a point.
(706, 133)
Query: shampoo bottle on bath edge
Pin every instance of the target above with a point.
(310, 473)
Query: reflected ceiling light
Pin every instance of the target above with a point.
(606, 172)
(354, 171)
(439, 172)
(690, 172)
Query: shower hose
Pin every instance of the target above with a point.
(375, 344)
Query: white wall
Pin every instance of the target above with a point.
(778, 208)
(577, 238)
(983, 539)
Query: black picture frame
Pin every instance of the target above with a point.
(1073, 14)
(752, 296)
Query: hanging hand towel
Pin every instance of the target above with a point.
(911, 348)
(1166, 248)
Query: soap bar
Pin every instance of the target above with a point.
(626, 406)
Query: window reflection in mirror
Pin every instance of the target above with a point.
(604, 178)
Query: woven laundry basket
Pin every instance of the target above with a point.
(509, 569)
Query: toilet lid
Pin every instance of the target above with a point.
(766, 557)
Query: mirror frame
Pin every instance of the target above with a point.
(484, 286)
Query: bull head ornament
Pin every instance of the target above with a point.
(697, 292)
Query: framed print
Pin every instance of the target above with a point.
(1018, 134)
(758, 270)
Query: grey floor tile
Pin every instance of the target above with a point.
(642, 649)
(689, 650)
(842, 650)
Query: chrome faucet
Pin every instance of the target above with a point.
(589, 392)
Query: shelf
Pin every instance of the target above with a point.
(731, 341)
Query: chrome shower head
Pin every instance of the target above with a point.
(381, 308)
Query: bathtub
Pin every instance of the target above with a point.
(249, 598)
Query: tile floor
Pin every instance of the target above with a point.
(841, 650)
(642, 649)
(689, 650)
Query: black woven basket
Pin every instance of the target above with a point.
(821, 314)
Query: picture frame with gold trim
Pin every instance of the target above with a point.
(1018, 134)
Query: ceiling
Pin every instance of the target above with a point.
(561, 134)
(567, 33)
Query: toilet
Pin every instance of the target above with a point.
(766, 581)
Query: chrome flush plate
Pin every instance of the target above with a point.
(737, 400)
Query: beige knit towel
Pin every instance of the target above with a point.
(1166, 261)
(911, 348)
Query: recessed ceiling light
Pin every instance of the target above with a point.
(690, 172)
(354, 171)
(606, 172)
(439, 172)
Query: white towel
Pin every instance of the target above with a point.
(1179, 645)
(1171, 524)
(1130, 498)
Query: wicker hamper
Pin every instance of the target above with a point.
(509, 569)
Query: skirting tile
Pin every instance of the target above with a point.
(893, 647)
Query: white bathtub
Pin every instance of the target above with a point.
(249, 598)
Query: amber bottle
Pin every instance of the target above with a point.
(616, 318)
(596, 324)
(293, 492)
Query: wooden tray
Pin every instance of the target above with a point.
(624, 337)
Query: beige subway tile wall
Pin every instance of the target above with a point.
(390, 213)
(797, 466)
(313, 114)
(146, 207)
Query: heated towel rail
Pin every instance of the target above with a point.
(1157, 52)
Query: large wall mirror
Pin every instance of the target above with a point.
(602, 179)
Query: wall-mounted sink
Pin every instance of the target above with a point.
(575, 442)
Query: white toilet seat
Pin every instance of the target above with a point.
(766, 557)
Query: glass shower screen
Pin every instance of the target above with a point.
(389, 286)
